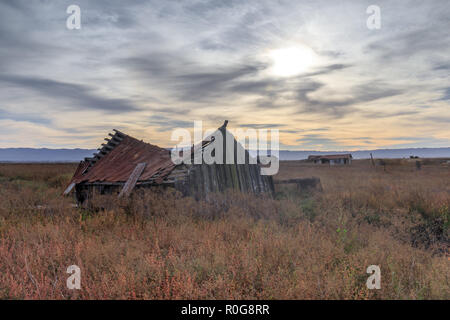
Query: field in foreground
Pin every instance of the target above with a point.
(158, 245)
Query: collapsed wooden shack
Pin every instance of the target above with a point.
(125, 163)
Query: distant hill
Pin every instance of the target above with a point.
(44, 155)
(75, 155)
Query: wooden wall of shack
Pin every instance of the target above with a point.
(202, 179)
(197, 180)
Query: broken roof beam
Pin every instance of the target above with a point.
(115, 137)
(69, 188)
(98, 156)
(112, 142)
(118, 133)
(132, 179)
(106, 146)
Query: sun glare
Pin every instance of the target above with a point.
(291, 61)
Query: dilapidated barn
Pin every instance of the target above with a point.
(125, 163)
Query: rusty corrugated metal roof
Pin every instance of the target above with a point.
(117, 160)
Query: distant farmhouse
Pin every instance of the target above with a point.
(331, 159)
(125, 163)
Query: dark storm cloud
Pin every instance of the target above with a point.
(80, 96)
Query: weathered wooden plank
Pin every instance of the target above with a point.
(248, 180)
(224, 169)
(268, 184)
(118, 133)
(228, 178)
(199, 180)
(132, 179)
(256, 178)
(190, 187)
(239, 177)
(265, 183)
(206, 178)
(260, 178)
(221, 177)
(69, 188)
(242, 179)
(252, 178)
(214, 179)
(115, 137)
(112, 141)
(106, 146)
(234, 177)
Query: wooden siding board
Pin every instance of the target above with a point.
(132, 179)
(252, 178)
(256, 178)
(206, 178)
(234, 177)
(248, 178)
(214, 177)
(221, 177)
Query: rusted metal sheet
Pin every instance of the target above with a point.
(118, 164)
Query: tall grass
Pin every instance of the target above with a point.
(159, 245)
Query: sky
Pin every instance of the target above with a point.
(311, 69)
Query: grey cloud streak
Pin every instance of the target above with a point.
(79, 96)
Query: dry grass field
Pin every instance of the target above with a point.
(159, 245)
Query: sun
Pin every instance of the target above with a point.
(291, 61)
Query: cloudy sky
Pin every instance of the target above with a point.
(312, 69)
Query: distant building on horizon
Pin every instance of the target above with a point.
(331, 159)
